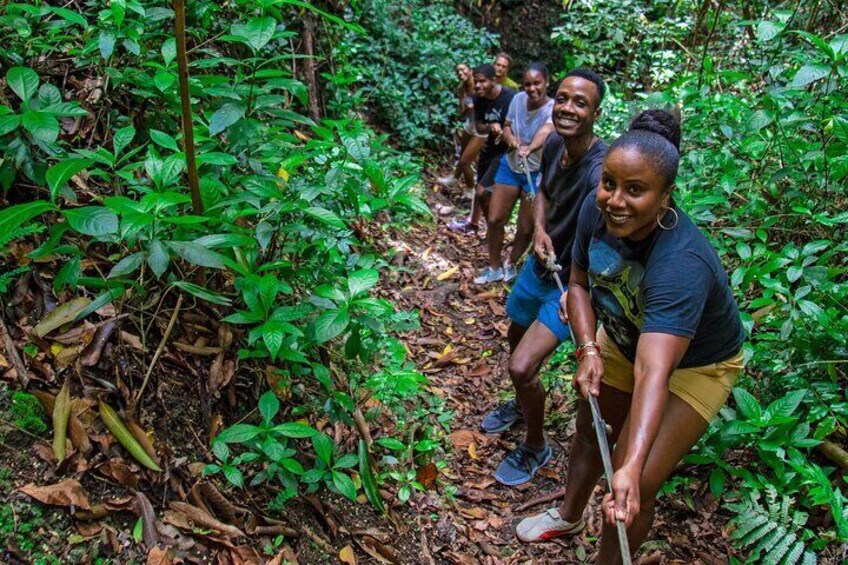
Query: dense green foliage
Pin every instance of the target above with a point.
(764, 173)
(403, 66)
(277, 249)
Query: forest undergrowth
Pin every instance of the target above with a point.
(251, 339)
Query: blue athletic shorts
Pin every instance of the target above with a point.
(505, 175)
(535, 299)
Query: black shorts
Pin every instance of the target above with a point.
(487, 168)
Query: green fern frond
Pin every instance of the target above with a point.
(7, 277)
(768, 529)
(18, 233)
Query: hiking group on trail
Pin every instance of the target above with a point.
(649, 307)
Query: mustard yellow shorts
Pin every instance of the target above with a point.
(703, 388)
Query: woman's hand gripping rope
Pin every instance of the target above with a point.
(587, 381)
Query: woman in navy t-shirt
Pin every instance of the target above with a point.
(668, 349)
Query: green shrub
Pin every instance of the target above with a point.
(402, 67)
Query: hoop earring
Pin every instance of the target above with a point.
(672, 226)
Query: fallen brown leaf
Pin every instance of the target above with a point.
(346, 555)
(66, 493)
(158, 556)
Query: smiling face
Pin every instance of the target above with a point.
(484, 86)
(501, 67)
(462, 72)
(535, 85)
(576, 107)
(632, 194)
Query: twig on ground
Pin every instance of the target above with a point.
(12, 354)
(159, 350)
(551, 496)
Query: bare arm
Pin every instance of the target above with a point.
(539, 139)
(542, 244)
(657, 356)
(509, 137)
(583, 323)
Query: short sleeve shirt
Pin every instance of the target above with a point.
(671, 282)
(489, 111)
(565, 188)
(525, 123)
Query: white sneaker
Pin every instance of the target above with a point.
(547, 525)
(489, 275)
(509, 273)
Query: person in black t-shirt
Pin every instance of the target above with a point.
(571, 169)
(491, 103)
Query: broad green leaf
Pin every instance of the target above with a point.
(225, 116)
(269, 405)
(13, 217)
(9, 123)
(325, 216)
(196, 254)
(92, 220)
(234, 476)
(122, 138)
(169, 50)
(216, 158)
(808, 74)
(157, 258)
(369, 482)
(360, 281)
(323, 447)
(163, 140)
(64, 109)
(41, 125)
(295, 430)
(102, 299)
(257, 32)
(331, 324)
(61, 173)
(273, 335)
(127, 265)
(68, 276)
(203, 293)
(344, 484)
(768, 30)
(164, 80)
(747, 404)
(784, 407)
(23, 81)
(70, 15)
(106, 43)
(239, 433)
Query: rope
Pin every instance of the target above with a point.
(600, 428)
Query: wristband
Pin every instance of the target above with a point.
(581, 351)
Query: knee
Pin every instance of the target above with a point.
(523, 372)
(496, 219)
(585, 434)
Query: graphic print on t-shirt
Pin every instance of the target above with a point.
(617, 298)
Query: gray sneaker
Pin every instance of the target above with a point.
(509, 273)
(502, 418)
(520, 465)
(490, 275)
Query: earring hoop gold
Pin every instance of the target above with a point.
(672, 226)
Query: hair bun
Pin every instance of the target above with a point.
(660, 122)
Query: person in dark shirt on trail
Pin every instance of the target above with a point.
(668, 350)
(491, 102)
(571, 169)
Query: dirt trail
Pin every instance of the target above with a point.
(462, 348)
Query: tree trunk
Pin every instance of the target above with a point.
(309, 65)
